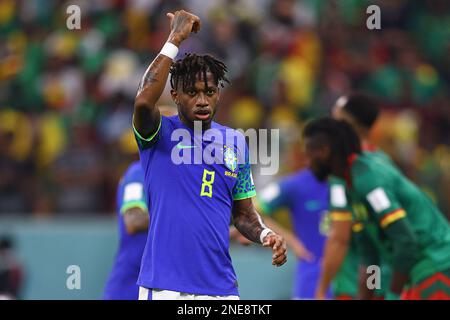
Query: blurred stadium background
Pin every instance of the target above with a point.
(66, 102)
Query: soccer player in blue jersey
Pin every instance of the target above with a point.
(307, 200)
(133, 224)
(187, 250)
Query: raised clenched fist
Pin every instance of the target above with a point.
(182, 23)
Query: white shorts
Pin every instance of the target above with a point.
(156, 294)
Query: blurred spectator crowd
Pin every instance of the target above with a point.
(66, 96)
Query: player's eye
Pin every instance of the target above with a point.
(191, 92)
(210, 92)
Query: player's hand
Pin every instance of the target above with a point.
(279, 248)
(301, 252)
(182, 23)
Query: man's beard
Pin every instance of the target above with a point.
(321, 172)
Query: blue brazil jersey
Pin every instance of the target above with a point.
(121, 283)
(187, 248)
(307, 200)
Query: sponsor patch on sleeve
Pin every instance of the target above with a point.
(133, 191)
(338, 197)
(378, 200)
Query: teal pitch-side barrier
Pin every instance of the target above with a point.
(48, 248)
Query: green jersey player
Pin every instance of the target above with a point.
(409, 232)
(361, 112)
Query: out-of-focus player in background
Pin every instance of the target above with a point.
(133, 224)
(186, 255)
(411, 234)
(361, 111)
(307, 200)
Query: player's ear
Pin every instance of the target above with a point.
(174, 94)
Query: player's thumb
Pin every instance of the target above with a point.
(268, 242)
(170, 15)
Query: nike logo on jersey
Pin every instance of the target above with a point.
(182, 146)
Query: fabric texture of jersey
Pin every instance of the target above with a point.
(345, 207)
(121, 283)
(307, 200)
(389, 196)
(188, 244)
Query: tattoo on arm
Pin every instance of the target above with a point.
(146, 117)
(151, 74)
(247, 220)
(149, 77)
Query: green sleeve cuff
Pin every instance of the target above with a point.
(143, 142)
(133, 204)
(246, 195)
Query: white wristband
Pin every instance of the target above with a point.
(264, 233)
(169, 50)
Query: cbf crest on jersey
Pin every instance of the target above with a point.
(230, 158)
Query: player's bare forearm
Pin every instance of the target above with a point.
(136, 220)
(336, 248)
(237, 236)
(334, 256)
(247, 220)
(146, 114)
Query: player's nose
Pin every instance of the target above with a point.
(201, 100)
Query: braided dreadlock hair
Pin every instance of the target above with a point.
(193, 67)
(339, 135)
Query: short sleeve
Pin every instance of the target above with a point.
(340, 206)
(244, 187)
(133, 191)
(145, 143)
(384, 204)
(133, 196)
(274, 197)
